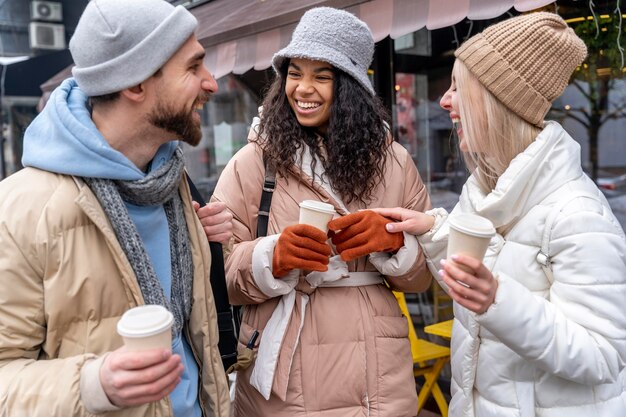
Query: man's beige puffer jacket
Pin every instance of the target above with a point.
(64, 283)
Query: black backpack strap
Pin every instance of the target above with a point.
(269, 184)
(227, 321)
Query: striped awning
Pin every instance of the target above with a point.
(243, 34)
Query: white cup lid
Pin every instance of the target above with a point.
(318, 206)
(144, 321)
(472, 224)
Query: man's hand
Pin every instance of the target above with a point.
(216, 220)
(135, 378)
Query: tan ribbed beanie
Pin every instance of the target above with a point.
(525, 61)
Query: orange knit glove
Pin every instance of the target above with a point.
(361, 233)
(300, 246)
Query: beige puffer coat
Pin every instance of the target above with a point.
(64, 283)
(353, 357)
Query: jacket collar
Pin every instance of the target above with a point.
(552, 160)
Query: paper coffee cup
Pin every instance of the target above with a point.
(316, 214)
(146, 327)
(469, 235)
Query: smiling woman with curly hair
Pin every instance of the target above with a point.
(332, 338)
(353, 148)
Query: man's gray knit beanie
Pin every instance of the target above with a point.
(334, 36)
(121, 43)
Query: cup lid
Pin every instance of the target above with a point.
(144, 321)
(318, 206)
(472, 224)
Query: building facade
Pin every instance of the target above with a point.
(410, 72)
(34, 35)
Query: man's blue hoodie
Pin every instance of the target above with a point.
(63, 139)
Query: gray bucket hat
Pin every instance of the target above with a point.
(333, 36)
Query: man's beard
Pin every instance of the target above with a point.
(180, 122)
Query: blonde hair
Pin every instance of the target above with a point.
(494, 134)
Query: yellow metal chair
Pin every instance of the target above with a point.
(424, 351)
(442, 303)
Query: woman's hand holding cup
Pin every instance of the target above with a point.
(469, 282)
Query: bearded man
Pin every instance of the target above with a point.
(101, 220)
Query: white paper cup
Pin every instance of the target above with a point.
(316, 214)
(469, 235)
(146, 327)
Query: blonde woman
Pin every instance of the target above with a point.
(540, 328)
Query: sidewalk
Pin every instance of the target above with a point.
(426, 413)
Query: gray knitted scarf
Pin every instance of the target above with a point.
(158, 187)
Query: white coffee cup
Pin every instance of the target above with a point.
(316, 214)
(469, 235)
(146, 327)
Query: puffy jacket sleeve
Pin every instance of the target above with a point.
(579, 331)
(30, 384)
(434, 243)
(240, 186)
(416, 197)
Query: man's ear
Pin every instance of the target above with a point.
(136, 93)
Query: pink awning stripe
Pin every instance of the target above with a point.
(408, 16)
(526, 5)
(384, 17)
(442, 13)
(267, 44)
(378, 14)
(486, 9)
(225, 60)
(245, 57)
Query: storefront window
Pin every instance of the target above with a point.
(225, 123)
(423, 62)
(17, 114)
(411, 74)
(592, 109)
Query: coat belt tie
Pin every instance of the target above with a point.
(273, 337)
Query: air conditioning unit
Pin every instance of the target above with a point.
(46, 36)
(47, 11)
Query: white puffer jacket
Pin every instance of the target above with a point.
(544, 348)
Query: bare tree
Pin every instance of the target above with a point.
(596, 77)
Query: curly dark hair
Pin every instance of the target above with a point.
(353, 150)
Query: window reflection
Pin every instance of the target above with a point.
(226, 119)
(592, 109)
